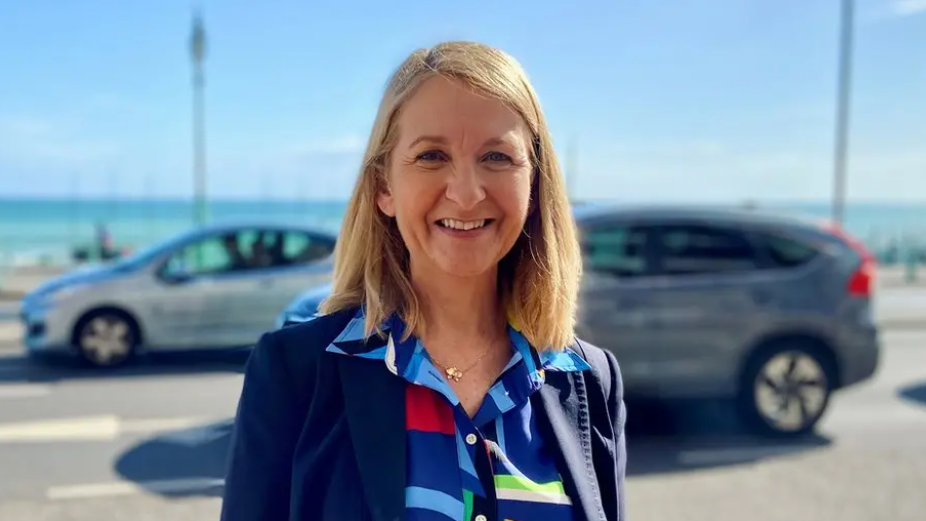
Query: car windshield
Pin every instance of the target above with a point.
(148, 253)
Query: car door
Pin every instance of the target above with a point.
(179, 302)
(296, 260)
(704, 304)
(615, 306)
(209, 283)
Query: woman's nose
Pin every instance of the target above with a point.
(464, 186)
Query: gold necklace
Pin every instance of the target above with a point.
(456, 374)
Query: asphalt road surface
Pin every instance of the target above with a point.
(149, 443)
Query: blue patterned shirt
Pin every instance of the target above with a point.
(493, 466)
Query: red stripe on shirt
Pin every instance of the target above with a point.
(427, 411)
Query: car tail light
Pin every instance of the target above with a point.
(862, 280)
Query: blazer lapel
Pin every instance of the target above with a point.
(374, 400)
(567, 424)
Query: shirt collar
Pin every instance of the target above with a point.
(352, 341)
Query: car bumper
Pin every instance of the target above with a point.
(861, 356)
(43, 331)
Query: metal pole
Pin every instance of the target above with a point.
(847, 22)
(197, 53)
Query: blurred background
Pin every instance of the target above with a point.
(148, 153)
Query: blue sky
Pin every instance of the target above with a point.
(709, 100)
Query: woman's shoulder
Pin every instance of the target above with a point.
(604, 364)
(300, 345)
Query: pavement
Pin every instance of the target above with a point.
(149, 442)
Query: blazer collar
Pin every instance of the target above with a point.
(398, 355)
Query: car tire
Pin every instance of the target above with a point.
(786, 388)
(106, 338)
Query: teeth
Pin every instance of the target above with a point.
(462, 225)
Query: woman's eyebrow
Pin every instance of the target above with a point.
(439, 140)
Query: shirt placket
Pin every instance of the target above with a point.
(484, 506)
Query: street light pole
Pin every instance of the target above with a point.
(844, 83)
(197, 54)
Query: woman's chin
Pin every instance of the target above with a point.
(459, 268)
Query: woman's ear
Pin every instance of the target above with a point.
(386, 202)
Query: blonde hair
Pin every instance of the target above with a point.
(538, 278)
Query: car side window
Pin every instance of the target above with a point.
(265, 249)
(700, 249)
(784, 252)
(223, 253)
(304, 248)
(619, 250)
(200, 258)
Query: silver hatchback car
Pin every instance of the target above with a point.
(219, 286)
(775, 312)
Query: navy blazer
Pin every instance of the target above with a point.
(322, 437)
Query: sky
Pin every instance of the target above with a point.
(688, 100)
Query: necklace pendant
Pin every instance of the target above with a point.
(454, 374)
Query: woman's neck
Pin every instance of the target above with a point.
(457, 307)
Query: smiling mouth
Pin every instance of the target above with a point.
(454, 224)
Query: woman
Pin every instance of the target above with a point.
(442, 380)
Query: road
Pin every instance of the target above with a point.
(149, 443)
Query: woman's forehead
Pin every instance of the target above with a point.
(451, 110)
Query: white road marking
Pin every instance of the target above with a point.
(126, 488)
(65, 429)
(19, 391)
(10, 332)
(164, 424)
(92, 428)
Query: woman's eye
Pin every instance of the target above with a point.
(497, 157)
(431, 156)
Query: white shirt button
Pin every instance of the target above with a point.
(481, 517)
(471, 439)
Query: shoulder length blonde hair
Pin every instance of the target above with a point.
(538, 278)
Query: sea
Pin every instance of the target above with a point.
(47, 231)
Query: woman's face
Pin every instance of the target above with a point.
(459, 179)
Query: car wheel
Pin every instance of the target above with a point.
(786, 389)
(106, 339)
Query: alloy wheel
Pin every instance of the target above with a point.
(106, 340)
(790, 391)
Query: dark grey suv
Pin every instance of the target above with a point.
(775, 312)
